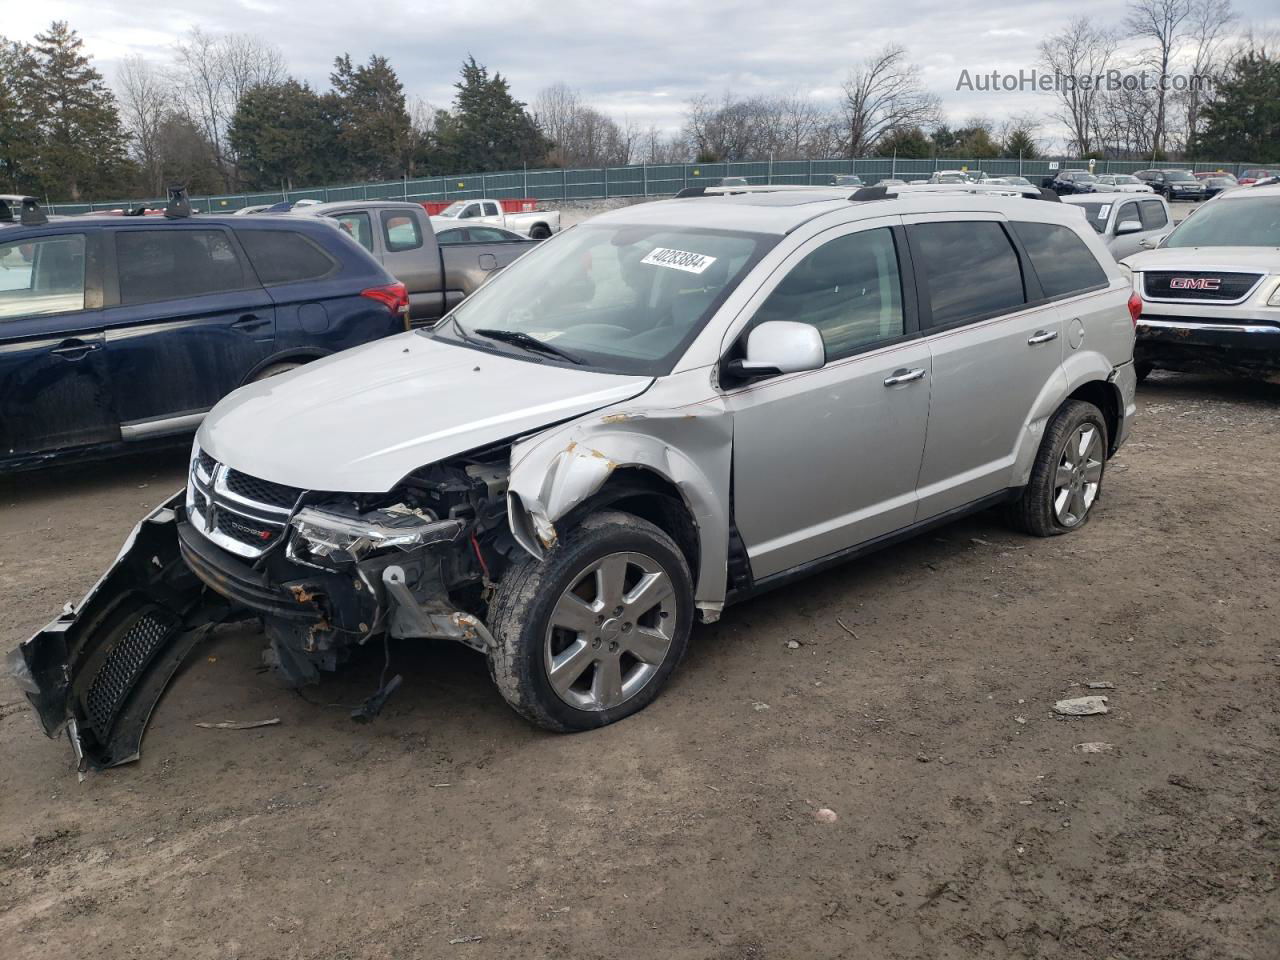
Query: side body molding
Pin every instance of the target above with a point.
(685, 441)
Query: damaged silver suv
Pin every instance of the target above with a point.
(666, 409)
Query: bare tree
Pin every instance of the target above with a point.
(883, 94)
(146, 100)
(1161, 22)
(582, 135)
(1208, 27)
(1077, 55)
(215, 72)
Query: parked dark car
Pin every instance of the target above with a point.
(402, 238)
(846, 180)
(1216, 184)
(1072, 181)
(119, 331)
(1173, 184)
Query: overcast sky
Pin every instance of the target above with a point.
(640, 59)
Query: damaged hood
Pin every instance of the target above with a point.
(359, 421)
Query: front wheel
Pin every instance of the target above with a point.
(591, 633)
(1066, 478)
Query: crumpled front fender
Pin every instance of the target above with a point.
(690, 446)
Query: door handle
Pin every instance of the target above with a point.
(250, 322)
(73, 349)
(904, 376)
(1042, 336)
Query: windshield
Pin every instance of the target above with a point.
(1124, 178)
(626, 299)
(1096, 214)
(453, 209)
(1083, 178)
(1180, 177)
(1248, 222)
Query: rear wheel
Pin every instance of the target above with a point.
(539, 232)
(1143, 370)
(275, 370)
(590, 634)
(1066, 478)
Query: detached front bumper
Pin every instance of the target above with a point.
(98, 670)
(1186, 343)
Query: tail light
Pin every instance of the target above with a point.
(1135, 307)
(393, 296)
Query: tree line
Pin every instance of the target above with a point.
(226, 115)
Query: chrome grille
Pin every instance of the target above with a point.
(1209, 286)
(243, 514)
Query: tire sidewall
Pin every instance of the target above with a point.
(524, 630)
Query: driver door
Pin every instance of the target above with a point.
(828, 459)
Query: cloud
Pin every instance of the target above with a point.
(640, 60)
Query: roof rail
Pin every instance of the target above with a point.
(32, 215)
(994, 190)
(178, 206)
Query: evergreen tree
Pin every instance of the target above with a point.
(287, 135)
(909, 142)
(488, 128)
(374, 130)
(19, 132)
(81, 142)
(1242, 121)
(1020, 143)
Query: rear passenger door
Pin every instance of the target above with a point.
(186, 322)
(996, 349)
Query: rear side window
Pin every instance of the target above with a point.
(488, 235)
(357, 226)
(490, 209)
(972, 270)
(1153, 215)
(1060, 258)
(42, 276)
(447, 237)
(285, 256)
(848, 288)
(400, 231)
(173, 263)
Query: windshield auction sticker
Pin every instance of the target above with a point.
(679, 260)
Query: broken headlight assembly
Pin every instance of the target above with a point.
(327, 535)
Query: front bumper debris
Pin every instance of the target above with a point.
(98, 670)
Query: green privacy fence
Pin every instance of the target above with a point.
(637, 180)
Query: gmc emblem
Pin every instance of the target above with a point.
(1195, 283)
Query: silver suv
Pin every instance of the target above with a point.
(655, 414)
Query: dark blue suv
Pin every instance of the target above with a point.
(120, 330)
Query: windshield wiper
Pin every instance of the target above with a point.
(520, 339)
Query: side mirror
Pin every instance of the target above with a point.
(1128, 226)
(780, 346)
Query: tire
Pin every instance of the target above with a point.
(539, 232)
(530, 646)
(1143, 370)
(275, 370)
(1040, 508)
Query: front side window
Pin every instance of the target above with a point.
(42, 276)
(849, 288)
(626, 299)
(1254, 222)
(1128, 212)
(1060, 259)
(1152, 214)
(357, 226)
(972, 270)
(471, 212)
(173, 263)
(400, 231)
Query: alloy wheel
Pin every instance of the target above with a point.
(1078, 476)
(610, 631)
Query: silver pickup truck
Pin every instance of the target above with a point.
(401, 236)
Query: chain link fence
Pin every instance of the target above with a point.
(639, 180)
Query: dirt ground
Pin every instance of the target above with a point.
(968, 825)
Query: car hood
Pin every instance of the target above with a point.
(360, 421)
(1200, 259)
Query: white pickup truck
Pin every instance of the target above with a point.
(537, 225)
